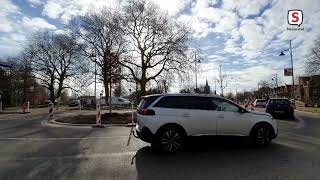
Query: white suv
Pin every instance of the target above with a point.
(166, 120)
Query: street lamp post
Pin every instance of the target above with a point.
(283, 54)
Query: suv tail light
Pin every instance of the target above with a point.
(148, 112)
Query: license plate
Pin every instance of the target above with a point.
(279, 112)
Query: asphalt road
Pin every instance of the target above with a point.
(33, 150)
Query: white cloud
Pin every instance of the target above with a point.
(7, 8)
(34, 3)
(205, 19)
(255, 39)
(37, 23)
(53, 9)
(245, 8)
(172, 6)
(65, 10)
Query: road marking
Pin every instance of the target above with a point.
(55, 139)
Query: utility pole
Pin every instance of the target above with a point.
(293, 87)
(282, 54)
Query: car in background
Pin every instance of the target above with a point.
(73, 103)
(260, 103)
(280, 107)
(166, 120)
(120, 101)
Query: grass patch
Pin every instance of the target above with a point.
(309, 109)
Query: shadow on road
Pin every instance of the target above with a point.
(43, 160)
(220, 158)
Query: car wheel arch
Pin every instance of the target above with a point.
(171, 126)
(262, 123)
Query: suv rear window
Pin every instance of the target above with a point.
(146, 101)
(279, 101)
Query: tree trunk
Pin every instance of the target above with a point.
(51, 91)
(110, 104)
(110, 83)
(142, 90)
(60, 87)
(106, 89)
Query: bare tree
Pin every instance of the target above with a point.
(102, 36)
(264, 88)
(157, 43)
(223, 80)
(230, 96)
(17, 82)
(164, 82)
(43, 60)
(313, 61)
(55, 58)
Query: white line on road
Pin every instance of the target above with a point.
(63, 138)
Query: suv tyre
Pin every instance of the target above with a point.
(261, 135)
(169, 140)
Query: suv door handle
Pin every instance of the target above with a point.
(220, 116)
(186, 115)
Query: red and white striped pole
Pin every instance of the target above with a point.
(50, 110)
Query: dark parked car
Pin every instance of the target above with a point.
(280, 107)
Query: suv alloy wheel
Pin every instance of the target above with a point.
(262, 136)
(169, 140)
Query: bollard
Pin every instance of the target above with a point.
(98, 115)
(50, 110)
(0, 106)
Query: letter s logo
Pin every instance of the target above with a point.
(295, 17)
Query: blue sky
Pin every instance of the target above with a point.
(244, 36)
